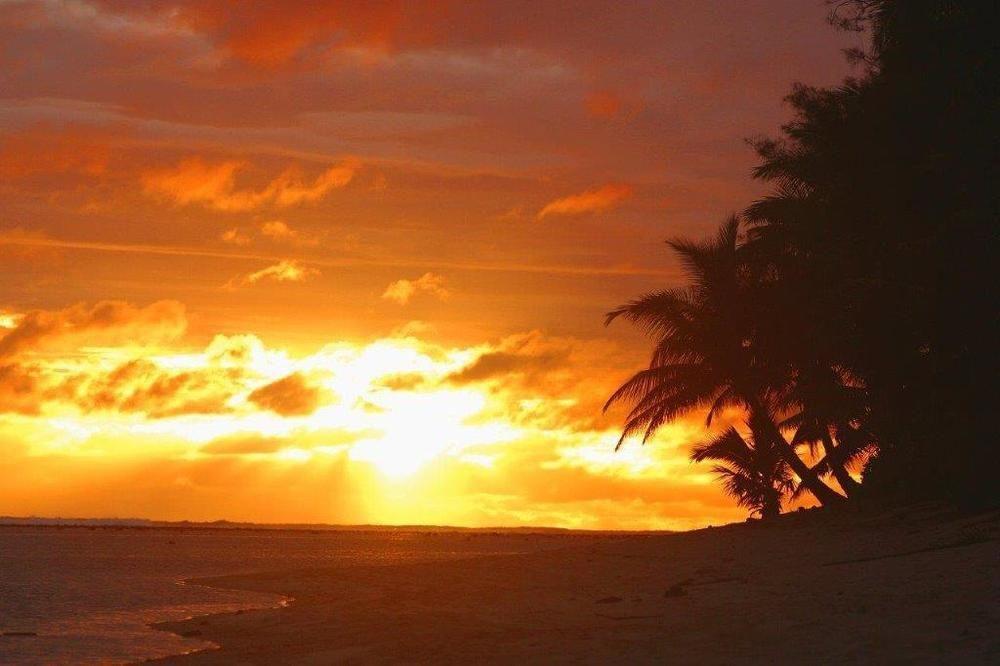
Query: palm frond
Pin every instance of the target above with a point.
(656, 312)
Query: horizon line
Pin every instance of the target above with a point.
(222, 523)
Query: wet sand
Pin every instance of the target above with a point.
(915, 586)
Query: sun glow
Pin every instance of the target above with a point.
(418, 428)
(396, 421)
(402, 424)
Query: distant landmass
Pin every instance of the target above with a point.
(35, 521)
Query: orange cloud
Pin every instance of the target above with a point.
(234, 237)
(288, 190)
(141, 386)
(288, 270)
(9, 319)
(522, 354)
(403, 381)
(279, 231)
(20, 388)
(272, 34)
(234, 350)
(547, 382)
(590, 201)
(137, 386)
(288, 396)
(214, 185)
(192, 180)
(105, 322)
(401, 291)
(276, 229)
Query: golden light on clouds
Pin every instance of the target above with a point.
(281, 232)
(287, 270)
(591, 201)
(235, 237)
(195, 181)
(401, 291)
(389, 411)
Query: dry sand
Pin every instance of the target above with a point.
(916, 586)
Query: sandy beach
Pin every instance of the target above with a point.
(913, 586)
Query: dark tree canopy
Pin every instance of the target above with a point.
(870, 265)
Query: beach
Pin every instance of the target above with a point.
(87, 592)
(918, 585)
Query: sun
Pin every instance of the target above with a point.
(419, 428)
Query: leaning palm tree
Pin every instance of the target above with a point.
(705, 354)
(819, 438)
(752, 472)
(824, 401)
(855, 445)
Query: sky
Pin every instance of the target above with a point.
(348, 262)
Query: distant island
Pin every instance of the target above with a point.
(36, 521)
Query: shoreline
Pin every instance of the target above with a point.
(741, 592)
(176, 627)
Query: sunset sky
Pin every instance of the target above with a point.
(348, 262)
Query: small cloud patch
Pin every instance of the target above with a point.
(288, 396)
(401, 291)
(591, 201)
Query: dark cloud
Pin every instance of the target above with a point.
(142, 386)
(137, 386)
(528, 355)
(288, 396)
(406, 381)
(20, 388)
(105, 322)
(549, 383)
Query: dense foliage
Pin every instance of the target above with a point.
(850, 312)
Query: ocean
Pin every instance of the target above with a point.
(72, 594)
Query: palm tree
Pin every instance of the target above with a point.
(817, 435)
(824, 401)
(845, 445)
(753, 472)
(705, 352)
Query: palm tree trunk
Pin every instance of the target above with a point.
(846, 481)
(823, 493)
(772, 506)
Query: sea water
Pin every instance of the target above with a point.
(71, 595)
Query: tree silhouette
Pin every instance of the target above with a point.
(753, 472)
(857, 311)
(823, 405)
(705, 356)
(880, 235)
